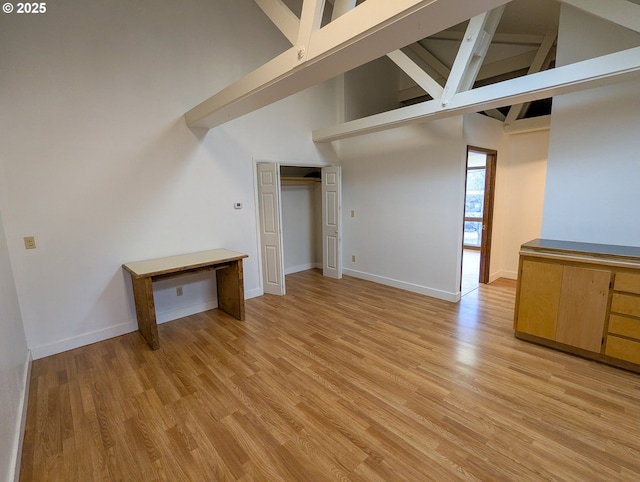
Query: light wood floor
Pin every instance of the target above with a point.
(338, 380)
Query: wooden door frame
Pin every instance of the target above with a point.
(487, 214)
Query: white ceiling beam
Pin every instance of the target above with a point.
(532, 124)
(498, 38)
(536, 66)
(431, 60)
(340, 7)
(419, 76)
(494, 69)
(471, 54)
(282, 17)
(367, 32)
(496, 114)
(410, 93)
(622, 12)
(310, 21)
(604, 70)
(504, 66)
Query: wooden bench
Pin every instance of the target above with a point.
(229, 277)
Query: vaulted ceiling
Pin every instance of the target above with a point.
(496, 57)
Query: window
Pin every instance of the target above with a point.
(474, 199)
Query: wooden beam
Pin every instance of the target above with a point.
(622, 12)
(605, 70)
(282, 17)
(367, 32)
(424, 80)
(471, 54)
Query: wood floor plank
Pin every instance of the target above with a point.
(337, 380)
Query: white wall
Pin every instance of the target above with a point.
(524, 174)
(14, 363)
(406, 187)
(99, 165)
(592, 190)
(301, 213)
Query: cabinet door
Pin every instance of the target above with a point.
(538, 298)
(583, 307)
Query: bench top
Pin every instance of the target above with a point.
(182, 262)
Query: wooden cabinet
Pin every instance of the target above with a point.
(581, 298)
(539, 281)
(623, 333)
(567, 304)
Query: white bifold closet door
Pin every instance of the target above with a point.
(270, 215)
(271, 228)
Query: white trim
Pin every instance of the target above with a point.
(403, 285)
(254, 293)
(84, 339)
(211, 304)
(21, 420)
(183, 311)
(95, 336)
(302, 267)
(503, 274)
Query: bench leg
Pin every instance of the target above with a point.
(231, 290)
(146, 311)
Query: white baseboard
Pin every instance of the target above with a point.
(503, 274)
(186, 311)
(302, 267)
(21, 421)
(95, 336)
(423, 290)
(253, 293)
(48, 349)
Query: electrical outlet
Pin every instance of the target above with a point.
(29, 242)
(179, 291)
(353, 258)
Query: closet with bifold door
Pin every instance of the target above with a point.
(301, 195)
(299, 210)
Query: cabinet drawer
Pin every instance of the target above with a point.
(623, 349)
(625, 304)
(621, 325)
(627, 282)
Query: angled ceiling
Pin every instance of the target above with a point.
(453, 56)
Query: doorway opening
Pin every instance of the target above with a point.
(299, 220)
(478, 217)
